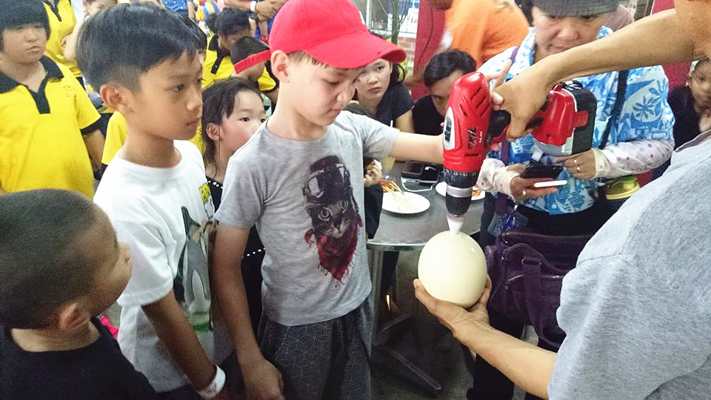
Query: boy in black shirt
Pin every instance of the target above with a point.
(60, 265)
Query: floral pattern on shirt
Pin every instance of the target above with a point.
(645, 115)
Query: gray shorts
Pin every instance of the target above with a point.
(326, 360)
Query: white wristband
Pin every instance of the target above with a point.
(253, 6)
(215, 387)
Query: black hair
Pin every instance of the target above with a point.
(443, 64)
(230, 21)
(245, 47)
(123, 42)
(200, 36)
(17, 13)
(218, 101)
(397, 75)
(210, 21)
(41, 264)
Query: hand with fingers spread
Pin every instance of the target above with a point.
(457, 319)
(582, 166)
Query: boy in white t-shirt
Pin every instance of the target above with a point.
(145, 64)
(299, 180)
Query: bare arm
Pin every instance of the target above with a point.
(262, 380)
(411, 146)
(526, 365)
(265, 9)
(94, 143)
(175, 332)
(404, 122)
(658, 39)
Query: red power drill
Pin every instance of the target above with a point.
(564, 126)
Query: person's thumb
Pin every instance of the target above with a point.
(517, 127)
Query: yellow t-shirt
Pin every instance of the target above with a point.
(41, 143)
(61, 24)
(217, 65)
(266, 82)
(116, 136)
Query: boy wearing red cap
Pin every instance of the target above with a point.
(298, 180)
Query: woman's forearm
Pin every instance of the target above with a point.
(527, 366)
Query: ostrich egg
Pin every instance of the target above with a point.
(452, 267)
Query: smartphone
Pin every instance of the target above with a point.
(413, 170)
(420, 171)
(542, 171)
(548, 184)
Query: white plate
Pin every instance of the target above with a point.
(441, 188)
(405, 203)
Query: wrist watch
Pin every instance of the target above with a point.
(253, 6)
(215, 387)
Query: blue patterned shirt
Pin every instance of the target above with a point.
(645, 115)
(176, 5)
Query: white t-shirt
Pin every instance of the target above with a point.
(164, 215)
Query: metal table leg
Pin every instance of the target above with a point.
(400, 331)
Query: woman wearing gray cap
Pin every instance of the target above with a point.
(636, 307)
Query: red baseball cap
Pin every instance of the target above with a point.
(330, 31)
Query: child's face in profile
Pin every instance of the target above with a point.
(318, 93)
(700, 85)
(168, 102)
(113, 261)
(246, 117)
(373, 81)
(24, 44)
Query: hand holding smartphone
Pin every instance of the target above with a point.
(539, 171)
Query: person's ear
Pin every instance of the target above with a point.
(116, 97)
(214, 132)
(71, 316)
(280, 65)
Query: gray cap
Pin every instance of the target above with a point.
(576, 8)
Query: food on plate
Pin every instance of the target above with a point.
(389, 186)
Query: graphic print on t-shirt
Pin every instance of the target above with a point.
(334, 215)
(192, 284)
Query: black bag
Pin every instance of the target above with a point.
(526, 271)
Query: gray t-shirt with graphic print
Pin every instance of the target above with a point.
(306, 200)
(637, 307)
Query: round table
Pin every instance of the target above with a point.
(398, 232)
